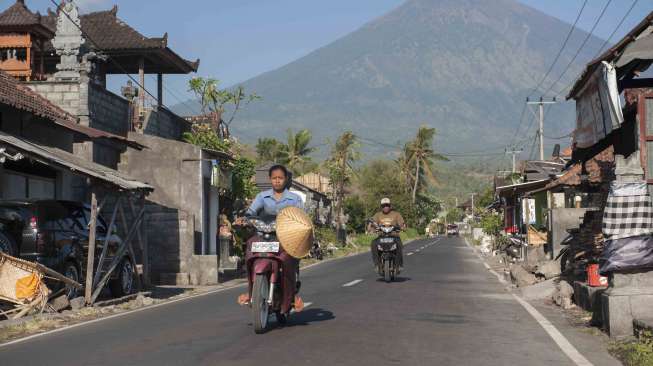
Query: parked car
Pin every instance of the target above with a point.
(55, 234)
(452, 229)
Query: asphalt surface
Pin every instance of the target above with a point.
(445, 309)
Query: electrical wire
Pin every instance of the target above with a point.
(632, 6)
(596, 23)
(521, 121)
(87, 37)
(564, 44)
(565, 89)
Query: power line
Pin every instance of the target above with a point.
(521, 119)
(632, 6)
(596, 23)
(616, 28)
(564, 44)
(86, 36)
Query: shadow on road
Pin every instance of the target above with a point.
(397, 279)
(307, 317)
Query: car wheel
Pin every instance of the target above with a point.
(7, 244)
(124, 284)
(71, 272)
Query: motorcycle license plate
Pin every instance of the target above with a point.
(387, 240)
(265, 247)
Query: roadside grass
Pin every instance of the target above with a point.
(356, 243)
(634, 353)
(29, 327)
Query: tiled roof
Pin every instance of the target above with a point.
(14, 94)
(107, 32)
(21, 97)
(19, 14)
(599, 169)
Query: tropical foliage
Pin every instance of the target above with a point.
(295, 153)
(340, 166)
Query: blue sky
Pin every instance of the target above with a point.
(237, 40)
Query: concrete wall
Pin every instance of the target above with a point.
(65, 94)
(35, 129)
(94, 106)
(108, 112)
(562, 219)
(174, 169)
(163, 123)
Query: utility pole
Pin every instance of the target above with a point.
(514, 154)
(473, 194)
(540, 132)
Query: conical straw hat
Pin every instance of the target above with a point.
(295, 231)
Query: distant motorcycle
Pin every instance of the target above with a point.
(264, 260)
(386, 244)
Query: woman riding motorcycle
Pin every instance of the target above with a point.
(267, 205)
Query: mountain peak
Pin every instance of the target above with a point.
(462, 66)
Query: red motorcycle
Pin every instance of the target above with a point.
(272, 275)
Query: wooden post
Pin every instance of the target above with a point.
(159, 89)
(105, 247)
(134, 230)
(88, 291)
(141, 87)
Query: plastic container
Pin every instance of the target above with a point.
(594, 279)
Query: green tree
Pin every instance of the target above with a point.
(295, 153)
(340, 165)
(214, 101)
(422, 157)
(356, 211)
(454, 215)
(486, 198)
(268, 150)
(207, 138)
(378, 179)
(242, 184)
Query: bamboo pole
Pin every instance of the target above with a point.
(88, 291)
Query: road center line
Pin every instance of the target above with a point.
(352, 283)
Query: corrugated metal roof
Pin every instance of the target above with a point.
(54, 156)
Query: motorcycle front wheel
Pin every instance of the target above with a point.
(386, 271)
(260, 306)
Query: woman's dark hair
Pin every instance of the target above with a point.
(278, 167)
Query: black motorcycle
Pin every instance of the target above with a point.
(386, 244)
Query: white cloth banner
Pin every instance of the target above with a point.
(598, 107)
(528, 211)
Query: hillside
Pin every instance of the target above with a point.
(462, 66)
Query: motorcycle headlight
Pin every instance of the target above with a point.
(387, 230)
(264, 227)
(379, 247)
(393, 247)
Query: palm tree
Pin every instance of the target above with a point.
(405, 168)
(268, 150)
(295, 153)
(340, 164)
(422, 157)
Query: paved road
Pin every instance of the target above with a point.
(445, 309)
